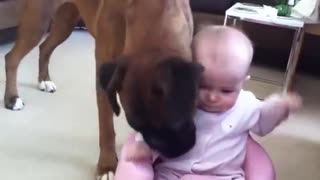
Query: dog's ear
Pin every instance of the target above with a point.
(197, 68)
(162, 81)
(174, 68)
(111, 77)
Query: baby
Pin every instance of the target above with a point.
(225, 115)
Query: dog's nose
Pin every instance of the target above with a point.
(177, 142)
(181, 145)
(186, 139)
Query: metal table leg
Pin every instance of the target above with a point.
(234, 22)
(225, 20)
(293, 59)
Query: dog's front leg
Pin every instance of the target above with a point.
(109, 44)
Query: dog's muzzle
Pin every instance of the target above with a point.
(172, 144)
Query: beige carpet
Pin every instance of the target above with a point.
(294, 158)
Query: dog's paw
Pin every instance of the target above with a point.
(47, 86)
(107, 176)
(15, 103)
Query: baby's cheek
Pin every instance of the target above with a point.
(229, 103)
(202, 96)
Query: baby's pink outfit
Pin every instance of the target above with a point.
(220, 147)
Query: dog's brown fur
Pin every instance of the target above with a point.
(120, 27)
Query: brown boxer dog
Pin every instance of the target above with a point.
(142, 52)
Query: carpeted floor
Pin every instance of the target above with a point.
(294, 158)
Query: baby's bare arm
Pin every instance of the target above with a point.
(274, 110)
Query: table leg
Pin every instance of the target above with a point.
(234, 22)
(293, 59)
(225, 23)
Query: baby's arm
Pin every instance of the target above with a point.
(274, 110)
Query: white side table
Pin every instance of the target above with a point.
(255, 14)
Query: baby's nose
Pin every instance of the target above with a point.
(213, 97)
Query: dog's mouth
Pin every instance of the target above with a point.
(171, 146)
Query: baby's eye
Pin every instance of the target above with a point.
(227, 91)
(203, 86)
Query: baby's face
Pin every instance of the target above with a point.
(218, 91)
(222, 79)
(226, 55)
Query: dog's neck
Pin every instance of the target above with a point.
(159, 26)
(157, 54)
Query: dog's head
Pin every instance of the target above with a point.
(158, 99)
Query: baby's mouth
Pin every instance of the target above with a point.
(209, 108)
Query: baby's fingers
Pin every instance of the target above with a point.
(294, 101)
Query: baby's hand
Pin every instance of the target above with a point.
(139, 150)
(293, 101)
